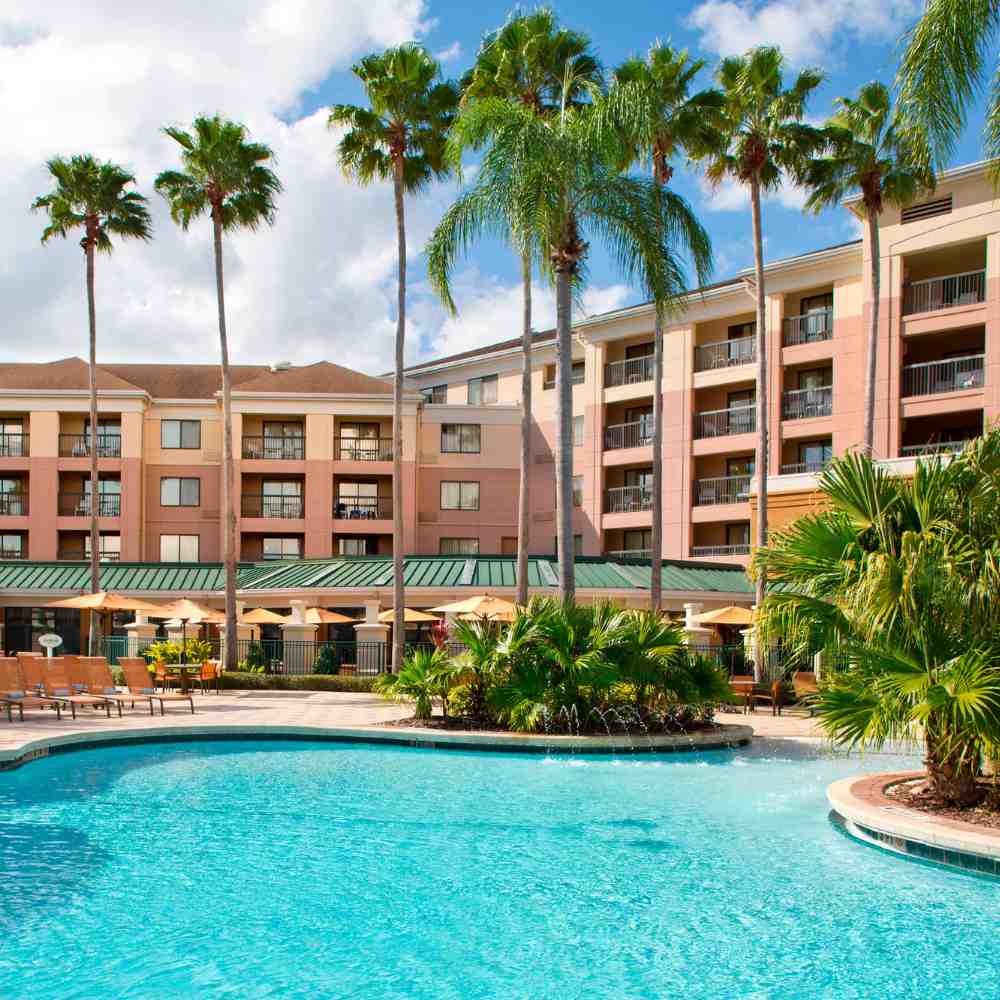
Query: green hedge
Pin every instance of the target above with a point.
(235, 680)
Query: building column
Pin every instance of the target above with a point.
(695, 634)
(141, 633)
(373, 640)
(298, 641)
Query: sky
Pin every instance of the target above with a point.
(104, 77)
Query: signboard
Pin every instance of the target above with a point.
(49, 642)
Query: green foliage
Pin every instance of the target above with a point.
(243, 681)
(898, 579)
(256, 658)
(170, 652)
(424, 677)
(326, 660)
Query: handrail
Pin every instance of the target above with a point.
(733, 420)
(637, 434)
(725, 353)
(13, 445)
(721, 550)
(362, 508)
(274, 447)
(261, 505)
(950, 375)
(627, 499)
(628, 372)
(797, 404)
(78, 445)
(721, 489)
(934, 448)
(78, 504)
(14, 504)
(932, 294)
(362, 449)
(630, 554)
(808, 328)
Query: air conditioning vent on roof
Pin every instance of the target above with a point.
(927, 210)
(281, 366)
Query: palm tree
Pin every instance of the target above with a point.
(550, 181)
(424, 676)
(94, 197)
(400, 135)
(868, 152)
(652, 103)
(760, 139)
(950, 55)
(897, 580)
(528, 61)
(225, 175)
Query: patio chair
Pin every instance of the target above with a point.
(58, 684)
(13, 694)
(741, 686)
(165, 676)
(806, 688)
(101, 682)
(139, 683)
(207, 675)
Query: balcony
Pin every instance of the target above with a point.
(932, 294)
(799, 404)
(809, 328)
(75, 550)
(13, 445)
(718, 423)
(13, 504)
(701, 551)
(362, 449)
(721, 489)
(627, 499)
(634, 435)
(953, 375)
(257, 505)
(935, 448)
(801, 468)
(725, 354)
(12, 552)
(78, 505)
(628, 372)
(626, 554)
(362, 509)
(78, 446)
(277, 448)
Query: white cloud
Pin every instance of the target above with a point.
(104, 77)
(449, 54)
(805, 30)
(731, 196)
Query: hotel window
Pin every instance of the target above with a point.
(738, 534)
(360, 443)
(109, 498)
(508, 545)
(284, 439)
(638, 539)
(180, 492)
(11, 546)
(483, 390)
(13, 501)
(353, 547)
(435, 394)
(639, 351)
(741, 330)
(281, 548)
(110, 548)
(740, 466)
(359, 499)
(459, 496)
(459, 546)
(815, 454)
(460, 438)
(577, 375)
(12, 438)
(281, 498)
(180, 434)
(578, 491)
(578, 432)
(179, 548)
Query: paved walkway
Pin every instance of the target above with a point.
(321, 709)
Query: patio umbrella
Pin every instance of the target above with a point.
(482, 606)
(410, 617)
(185, 610)
(323, 616)
(261, 616)
(730, 615)
(104, 601)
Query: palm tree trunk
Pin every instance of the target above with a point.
(398, 594)
(656, 555)
(871, 371)
(95, 546)
(523, 496)
(564, 436)
(760, 468)
(228, 493)
(952, 771)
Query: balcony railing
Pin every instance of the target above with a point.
(280, 448)
(742, 549)
(363, 509)
(78, 445)
(721, 489)
(952, 375)
(78, 505)
(797, 404)
(13, 445)
(8, 554)
(72, 552)
(718, 423)
(628, 372)
(934, 448)
(634, 435)
(630, 554)
(13, 504)
(627, 499)
(808, 328)
(931, 294)
(802, 468)
(363, 449)
(256, 505)
(725, 354)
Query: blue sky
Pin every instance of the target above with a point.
(105, 77)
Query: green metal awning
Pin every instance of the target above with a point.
(366, 572)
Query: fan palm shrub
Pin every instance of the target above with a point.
(477, 663)
(898, 580)
(424, 677)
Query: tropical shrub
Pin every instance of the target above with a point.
(425, 677)
(898, 580)
(326, 660)
(242, 681)
(170, 652)
(256, 659)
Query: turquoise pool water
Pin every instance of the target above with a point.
(304, 870)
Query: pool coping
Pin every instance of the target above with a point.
(723, 737)
(869, 815)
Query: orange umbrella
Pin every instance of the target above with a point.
(483, 606)
(323, 616)
(261, 616)
(105, 600)
(410, 617)
(186, 610)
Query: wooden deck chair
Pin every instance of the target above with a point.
(102, 682)
(59, 684)
(32, 668)
(140, 684)
(14, 696)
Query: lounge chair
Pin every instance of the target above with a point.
(34, 673)
(806, 688)
(13, 694)
(57, 684)
(742, 688)
(139, 683)
(101, 682)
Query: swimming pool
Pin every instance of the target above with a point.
(308, 870)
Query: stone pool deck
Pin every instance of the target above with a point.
(291, 713)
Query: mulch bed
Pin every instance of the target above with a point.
(913, 795)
